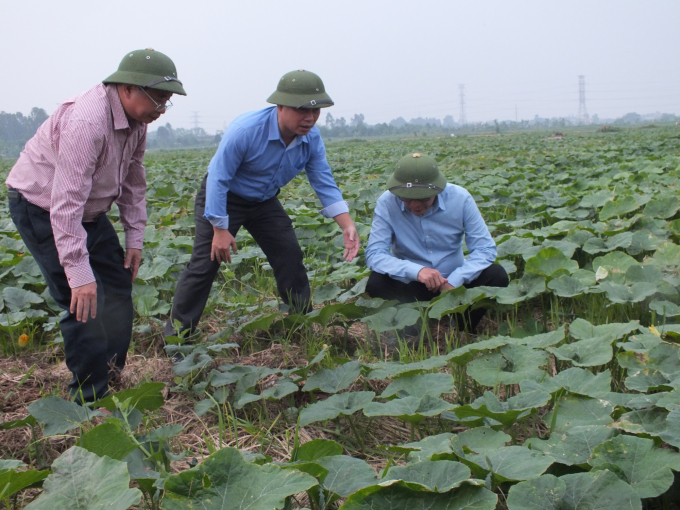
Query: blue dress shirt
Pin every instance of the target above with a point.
(402, 243)
(254, 162)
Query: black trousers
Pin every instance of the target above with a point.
(272, 230)
(99, 346)
(382, 286)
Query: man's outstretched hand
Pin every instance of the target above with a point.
(349, 235)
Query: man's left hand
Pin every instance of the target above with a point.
(349, 235)
(133, 257)
(445, 286)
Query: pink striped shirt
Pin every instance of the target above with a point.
(86, 156)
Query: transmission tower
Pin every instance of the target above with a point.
(462, 117)
(582, 112)
(195, 118)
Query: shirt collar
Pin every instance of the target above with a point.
(120, 120)
(274, 133)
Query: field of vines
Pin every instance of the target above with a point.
(566, 397)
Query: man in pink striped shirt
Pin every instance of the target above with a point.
(87, 155)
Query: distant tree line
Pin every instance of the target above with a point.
(16, 129)
(167, 137)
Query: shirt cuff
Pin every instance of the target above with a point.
(219, 222)
(334, 209)
(78, 276)
(412, 271)
(134, 239)
(456, 279)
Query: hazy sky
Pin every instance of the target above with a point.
(381, 58)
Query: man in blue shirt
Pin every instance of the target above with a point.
(259, 153)
(415, 248)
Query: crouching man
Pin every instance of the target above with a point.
(87, 155)
(415, 248)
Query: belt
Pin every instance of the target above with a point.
(13, 194)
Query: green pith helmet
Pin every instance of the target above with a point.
(416, 176)
(148, 68)
(300, 89)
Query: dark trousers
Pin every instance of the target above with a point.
(271, 228)
(98, 346)
(382, 286)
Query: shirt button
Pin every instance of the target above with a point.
(430, 251)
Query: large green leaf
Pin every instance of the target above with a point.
(550, 262)
(19, 299)
(427, 447)
(618, 293)
(81, 480)
(12, 481)
(107, 439)
(225, 481)
(512, 365)
(392, 318)
(454, 301)
(435, 476)
(326, 293)
(581, 329)
(317, 449)
(411, 409)
(398, 496)
(671, 434)
(567, 286)
(156, 268)
(618, 207)
(575, 445)
(146, 397)
(529, 286)
(576, 411)
(334, 380)
(543, 493)
(643, 421)
(346, 475)
(662, 208)
(597, 490)
(391, 370)
(342, 404)
(472, 446)
(586, 353)
(575, 380)
(666, 257)
(647, 468)
(420, 385)
(514, 246)
(512, 463)
(508, 412)
(58, 416)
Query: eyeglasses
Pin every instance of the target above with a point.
(166, 106)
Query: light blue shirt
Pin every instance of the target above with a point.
(401, 243)
(254, 162)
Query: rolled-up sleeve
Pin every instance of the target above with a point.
(132, 201)
(80, 145)
(321, 179)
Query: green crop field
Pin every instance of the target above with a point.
(567, 397)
